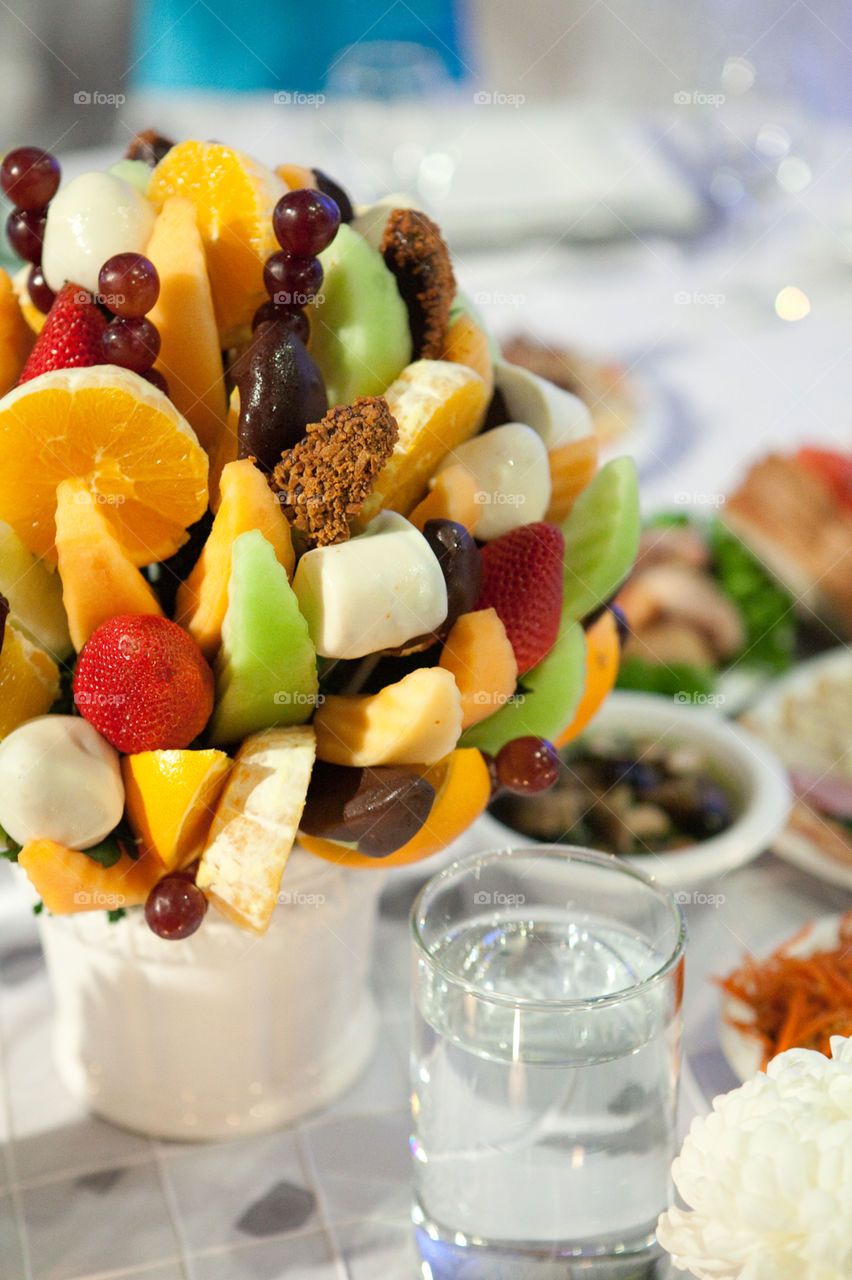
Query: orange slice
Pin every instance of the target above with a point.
(603, 654)
(170, 799)
(16, 337)
(462, 788)
(110, 427)
(29, 680)
(234, 197)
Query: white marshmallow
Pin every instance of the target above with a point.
(95, 216)
(59, 780)
(556, 415)
(373, 592)
(512, 473)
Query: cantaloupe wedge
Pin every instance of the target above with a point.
(454, 495)
(465, 342)
(170, 799)
(572, 467)
(479, 656)
(295, 175)
(69, 881)
(189, 357)
(437, 405)
(16, 337)
(225, 450)
(99, 581)
(29, 680)
(246, 502)
(415, 721)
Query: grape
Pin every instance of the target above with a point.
(157, 380)
(293, 318)
(25, 229)
(461, 564)
(29, 177)
(133, 343)
(41, 294)
(128, 284)
(175, 907)
(305, 221)
(526, 765)
(290, 280)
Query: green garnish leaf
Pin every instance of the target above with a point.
(9, 848)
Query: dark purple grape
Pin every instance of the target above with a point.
(305, 221)
(175, 907)
(528, 764)
(378, 809)
(41, 294)
(329, 187)
(132, 343)
(29, 177)
(128, 284)
(281, 391)
(291, 281)
(461, 564)
(157, 380)
(25, 230)
(496, 784)
(293, 319)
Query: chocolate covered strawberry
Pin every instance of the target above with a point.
(522, 579)
(143, 682)
(71, 335)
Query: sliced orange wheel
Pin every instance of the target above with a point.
(234, 196)
(603, 654)
(462, 788)
(109, 427)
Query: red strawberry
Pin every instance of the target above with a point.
(71, 335)
(143, 682)
(522, 580)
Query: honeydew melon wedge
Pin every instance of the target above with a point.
(601, 537)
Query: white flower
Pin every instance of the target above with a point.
(768, 1176)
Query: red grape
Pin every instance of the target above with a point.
(526, 765)
(291, 281)
(294, 318)
(25, 229)
(29, 177)
(128, 284)
(41, 294)
(157, 380)
(305, 221)
(132, 342)
(175, 907)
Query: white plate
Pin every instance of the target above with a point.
(742, 1052)
(766, 713)
(733, 754)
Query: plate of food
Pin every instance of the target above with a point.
(670, 786)
(797, 997)
(804, 718)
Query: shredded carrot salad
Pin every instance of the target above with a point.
(797, 1000)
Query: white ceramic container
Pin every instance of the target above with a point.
(222, 1034)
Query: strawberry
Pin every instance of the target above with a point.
(522, 579)
(71, 334)
(143, 682)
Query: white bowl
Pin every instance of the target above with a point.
(734, 757)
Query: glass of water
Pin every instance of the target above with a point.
(547, 1015)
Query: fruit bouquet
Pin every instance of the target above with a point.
(286, 554)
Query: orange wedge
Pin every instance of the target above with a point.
(462, 788)
(111, 428)
(603, 654)
(29, 680)
(170, 799)
(16, 337)
(234, 197)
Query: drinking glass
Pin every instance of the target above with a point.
(547, 987)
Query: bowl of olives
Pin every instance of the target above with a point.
(666, 783)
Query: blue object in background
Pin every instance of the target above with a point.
(245, 45)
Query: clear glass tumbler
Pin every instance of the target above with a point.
(547, 1015)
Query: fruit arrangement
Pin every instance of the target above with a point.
(282, 554)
